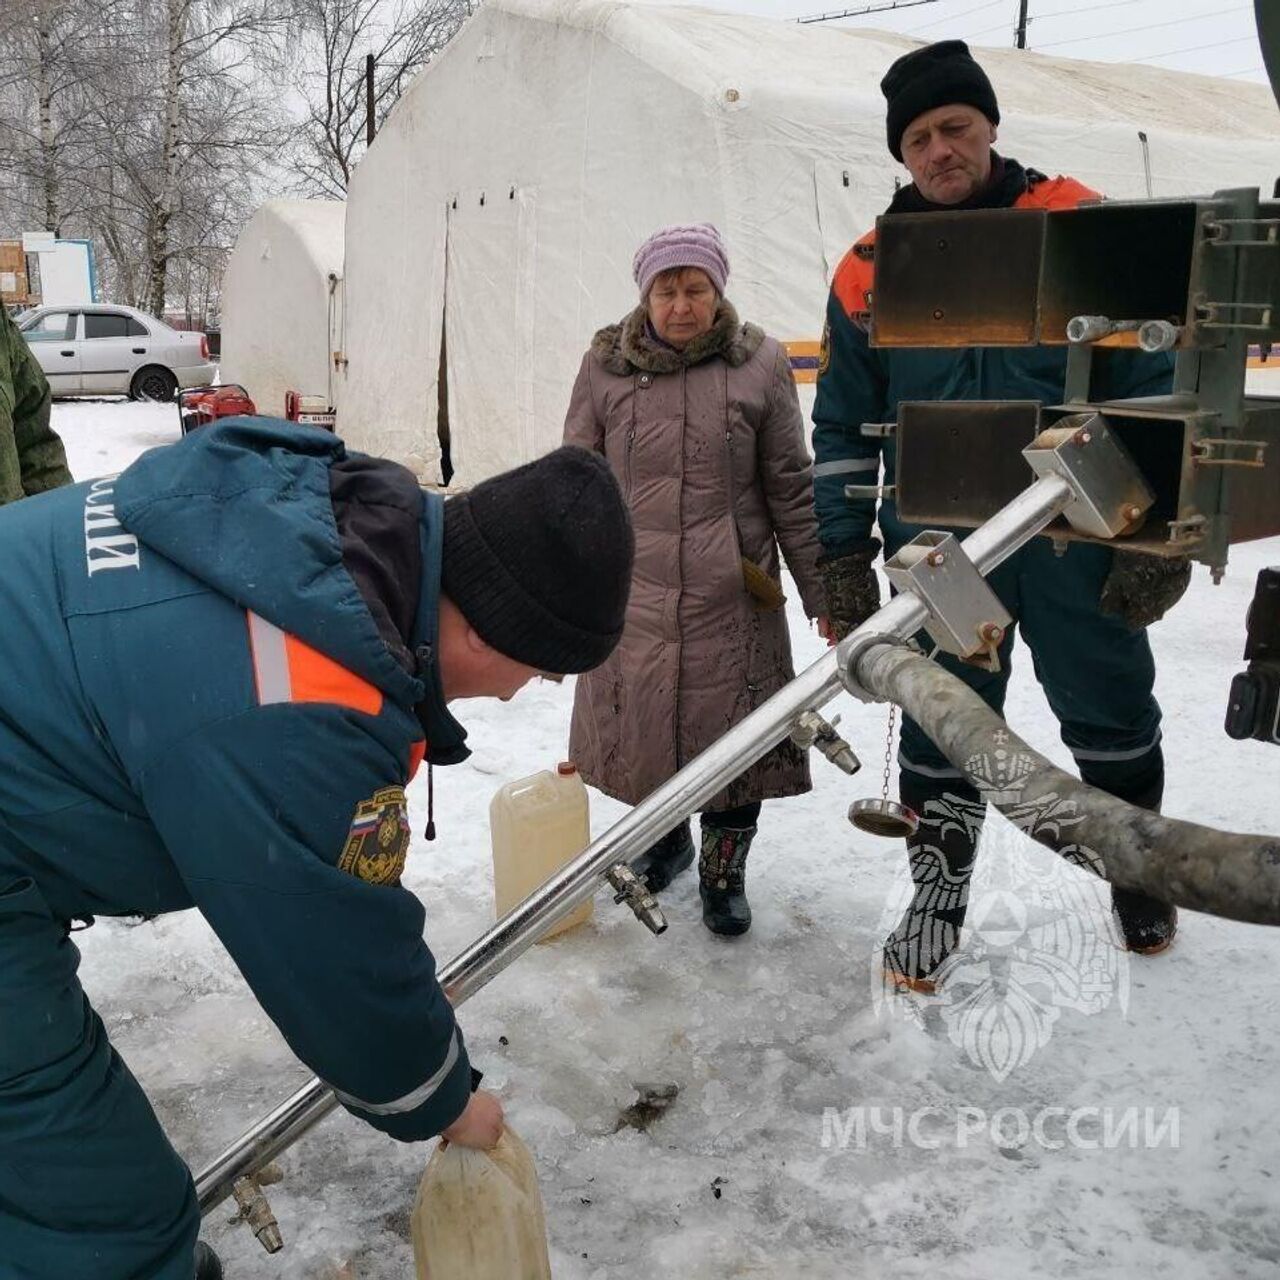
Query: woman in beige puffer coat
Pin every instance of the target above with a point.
(697, 414)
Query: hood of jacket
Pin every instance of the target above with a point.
(629, 347)
(245, 506)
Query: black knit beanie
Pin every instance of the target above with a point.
(539, 561)
(935, 76)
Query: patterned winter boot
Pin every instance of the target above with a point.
(207, 1265)
(722, 872)
(940, 855)
(659, 865)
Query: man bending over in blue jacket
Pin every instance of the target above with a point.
(220, 669)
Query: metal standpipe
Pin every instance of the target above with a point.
(681, 795)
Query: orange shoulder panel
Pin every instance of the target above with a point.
(1056, 193)
(854, 278)
(285, 669)
(313, 677)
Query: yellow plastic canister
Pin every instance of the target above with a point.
(538, 824)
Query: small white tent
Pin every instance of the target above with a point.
(491, 226)
(282, 302)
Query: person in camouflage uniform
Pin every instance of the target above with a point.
(31, 455)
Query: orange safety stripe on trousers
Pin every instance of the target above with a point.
(287, 670)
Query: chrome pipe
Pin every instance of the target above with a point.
(679, 797)
(682, 794)
(1015, 524)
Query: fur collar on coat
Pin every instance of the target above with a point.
(624, 348)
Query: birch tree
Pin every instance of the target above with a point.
(402, 35)
(47, 48)
(205, 124)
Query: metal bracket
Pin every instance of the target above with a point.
(1219, 236)
(1215, 452)
(1191, 529)
(966, 617)
(254, 1208)
(1111, 495)
(1211, 315)
(635, 893)
(881, 491)
(812, 730)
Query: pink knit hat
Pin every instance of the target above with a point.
(695, 245)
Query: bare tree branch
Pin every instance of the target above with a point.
(402, 35)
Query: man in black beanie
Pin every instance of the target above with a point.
(244, 646)
(1083, 614)
(945, 99)
(534, 569)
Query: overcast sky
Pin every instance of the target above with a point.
(1212, 37)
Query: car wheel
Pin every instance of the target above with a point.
(153, 383)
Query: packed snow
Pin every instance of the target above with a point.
(1140, 1138)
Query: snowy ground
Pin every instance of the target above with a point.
(765, 1034)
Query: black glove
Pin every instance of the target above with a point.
(849, 579)
(1141, 589)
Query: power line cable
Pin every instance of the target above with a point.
(1151, 57)
(1193, 48)
(858, 13)
(986, 31)
(1150, 26)
(952, 17)
(1093, 8)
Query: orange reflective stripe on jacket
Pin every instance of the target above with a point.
(855, 276)
(287, 670)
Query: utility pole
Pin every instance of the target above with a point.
(1020, 36)
(368, 101)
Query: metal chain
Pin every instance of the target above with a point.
(888, 751)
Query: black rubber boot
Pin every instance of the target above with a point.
(659, 865)
(207, 1265)
(940, 855)
(1147, 925)
(722, 874)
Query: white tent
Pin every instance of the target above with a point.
(282, 302)
(497, 212)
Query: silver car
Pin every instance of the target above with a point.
(105, 350)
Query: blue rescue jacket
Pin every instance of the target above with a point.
(858, 383)
(199, 708)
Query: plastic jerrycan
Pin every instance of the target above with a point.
(478, 1215)
(538, 824)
